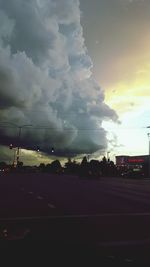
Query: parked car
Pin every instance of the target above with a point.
(136, 174)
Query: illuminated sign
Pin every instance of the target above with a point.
(135, 160)
(132, 160)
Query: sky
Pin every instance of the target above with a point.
(118, 40)
(78, 73)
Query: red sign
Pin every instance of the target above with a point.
(136, 160)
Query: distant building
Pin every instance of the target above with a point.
(121, 161)
(133, 162)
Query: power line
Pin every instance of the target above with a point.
(71, 129)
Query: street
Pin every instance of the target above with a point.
(111, 212)
(30, 195)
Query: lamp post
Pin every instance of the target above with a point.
(19, 136)
(108, 152)
(149, 141)
(149, 153)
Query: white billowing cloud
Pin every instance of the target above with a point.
(46, 79)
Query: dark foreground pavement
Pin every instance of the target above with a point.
(110, 217)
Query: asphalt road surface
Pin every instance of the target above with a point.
(45, 195)
(113, 212)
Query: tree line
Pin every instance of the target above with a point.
(85, 168)
(92, 168)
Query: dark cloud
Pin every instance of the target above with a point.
(46, 80)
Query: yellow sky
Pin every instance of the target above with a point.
(117, 34)
(129, 94)
(131, 100)
(130, 87)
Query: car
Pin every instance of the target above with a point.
(138, 174)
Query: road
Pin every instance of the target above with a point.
(46, 195)
(110, 211)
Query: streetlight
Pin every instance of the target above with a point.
(149, 142)
(19, 135)
(149, 153)
(108, 152)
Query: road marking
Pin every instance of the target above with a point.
(39, 198)
(128, 196)
(51, 206)
(128, 260)
(111, 257)
(124, 243)
(78, 216)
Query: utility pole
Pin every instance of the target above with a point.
(18, 148)
(108, 152)
(19, 135)
(149, 154)
(19, 139)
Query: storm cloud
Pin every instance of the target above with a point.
(46, 78)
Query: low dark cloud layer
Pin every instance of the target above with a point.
(46, 79)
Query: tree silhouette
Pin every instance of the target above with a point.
(42, 167)
(84, 161)
(56, 166)
(71, 167)
(83, 171)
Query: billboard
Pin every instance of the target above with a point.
(131, 160)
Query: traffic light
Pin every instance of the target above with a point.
(11, 146)
(38, 149)
(53, 150)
